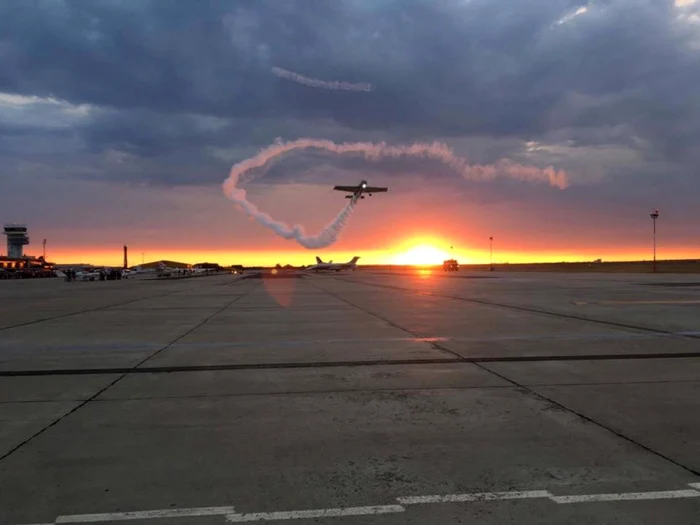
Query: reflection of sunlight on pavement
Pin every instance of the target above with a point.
(424, 274)
(280, 289)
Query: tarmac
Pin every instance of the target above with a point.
(359, 398)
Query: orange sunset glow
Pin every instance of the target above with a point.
(410, 225)
(415, 254)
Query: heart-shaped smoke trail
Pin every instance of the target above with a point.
(371, 151)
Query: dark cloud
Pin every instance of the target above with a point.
(449, 67)
(177, 91)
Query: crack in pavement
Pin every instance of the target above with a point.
(528, 389)
(112, 383)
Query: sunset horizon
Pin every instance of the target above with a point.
(412, 255)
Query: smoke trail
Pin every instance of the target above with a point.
(326, 237)
(370, 151)
(315, 82)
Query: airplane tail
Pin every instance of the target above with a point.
(354, 260)
(318, 260)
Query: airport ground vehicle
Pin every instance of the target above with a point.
(450, 265)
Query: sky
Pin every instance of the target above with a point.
(121, 120)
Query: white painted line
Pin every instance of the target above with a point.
(315, 513)
(146, 514)
(627, 496)
(475, 496)
(233, 517)
(655, 301)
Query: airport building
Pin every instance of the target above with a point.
(17, 239)
(170, 264)
(16, 260)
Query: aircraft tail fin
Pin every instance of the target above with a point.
(354, 260)
(318, 260)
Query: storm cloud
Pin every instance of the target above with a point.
(174, 93)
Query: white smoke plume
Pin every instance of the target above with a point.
(370, 151)
(324, 238)
(315, 82)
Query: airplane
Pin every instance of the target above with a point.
(166, 271)
(319, 261)
(358, 190)
(80, 275)
(162, 270)
(135, 270)
(333, 267)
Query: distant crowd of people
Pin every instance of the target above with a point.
(25, 273)
(103, 274)
(110, 274)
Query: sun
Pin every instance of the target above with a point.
(423, 254)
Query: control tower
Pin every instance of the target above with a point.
(16, 239)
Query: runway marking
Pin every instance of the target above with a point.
(476, 496)
(627, 496)
(233, 517)
(343, 364)
(314, 513)
(146, 514)
(660, 301)
(427, 339)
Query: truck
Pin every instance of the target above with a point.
(450, 265)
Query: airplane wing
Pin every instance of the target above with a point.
(346, 188)
(370, 189)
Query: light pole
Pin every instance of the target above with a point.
(654, 215)
(491, 253)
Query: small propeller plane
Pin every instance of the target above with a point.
(358, 190)
(321, 266)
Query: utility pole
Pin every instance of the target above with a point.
(654, 215)
(44, 255)
(491, 253)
